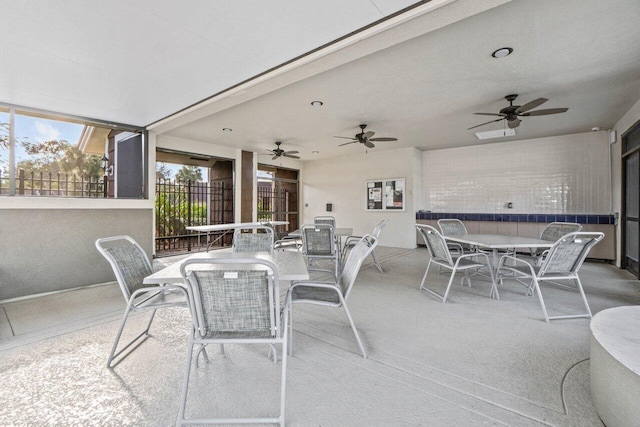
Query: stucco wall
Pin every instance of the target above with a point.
(47, 250)
(342, 182)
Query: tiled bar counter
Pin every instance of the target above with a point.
(528, 225)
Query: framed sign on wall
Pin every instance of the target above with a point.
(385, 194)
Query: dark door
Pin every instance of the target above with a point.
(129, 166)
(631, 200)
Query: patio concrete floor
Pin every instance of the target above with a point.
(472, 361)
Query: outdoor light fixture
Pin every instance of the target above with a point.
(502, 52)
(317, 103)
(104, 163)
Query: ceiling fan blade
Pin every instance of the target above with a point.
(530, 105)
(368, 134)
(545, 112)
(345, 137)
(275, 157)
(491, 114)
(369, 144)
(346, 143)
(290, 156)
(383, 138)
(291, 152)
(513, 123)
(482, 124)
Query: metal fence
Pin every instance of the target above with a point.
(53, 185)
(278, 204)
(182, 204)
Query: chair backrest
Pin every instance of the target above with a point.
(128, 261)
(568, 253)
(436, 245)
(227, 298)
(379, 227)
(253, 239)
(325, 220)
(452, 227)
(556, 230)
(352, 265)
(318, 240)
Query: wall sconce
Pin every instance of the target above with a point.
(104, 164)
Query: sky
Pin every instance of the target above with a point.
(34, 129)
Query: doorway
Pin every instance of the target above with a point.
(278, 197)
(191, 190)
(631, 200)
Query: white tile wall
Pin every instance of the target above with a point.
(556, 175)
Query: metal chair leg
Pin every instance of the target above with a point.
(376, 261)
(353, 326)
(115, 354)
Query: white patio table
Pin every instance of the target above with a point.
(496, 242)
(206, 229)
(290, 264)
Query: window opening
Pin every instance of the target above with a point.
(47, 155)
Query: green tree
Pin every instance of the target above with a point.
(187, 173)
(58, 156)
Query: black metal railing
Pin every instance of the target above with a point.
(182, 204)
(41, 184)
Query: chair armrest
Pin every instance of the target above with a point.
(516, 261)
(164, 288)
(323, 270)
(318, 284)
(349, 239)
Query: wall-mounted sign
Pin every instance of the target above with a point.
(385, 194)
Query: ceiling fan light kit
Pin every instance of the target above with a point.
(512, 113)
(365, 138)
(279, 152)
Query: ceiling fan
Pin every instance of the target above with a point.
(365, 138)
(512, 113)
(278, 152)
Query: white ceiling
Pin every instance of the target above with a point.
(418, 77)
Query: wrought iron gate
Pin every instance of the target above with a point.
(179, 205)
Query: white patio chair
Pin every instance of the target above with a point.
(552, 232)
(318, 243)
(351, 241)
(325, 219)
(440, 256)
(561, 262)
(454, 227)
(334, 293)
(253, 239)
(130, 266)
(234, 305)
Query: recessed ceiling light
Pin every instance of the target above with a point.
(227, 129)
(317, 103)
(502, 52)
(500, 133)
(315, 152)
